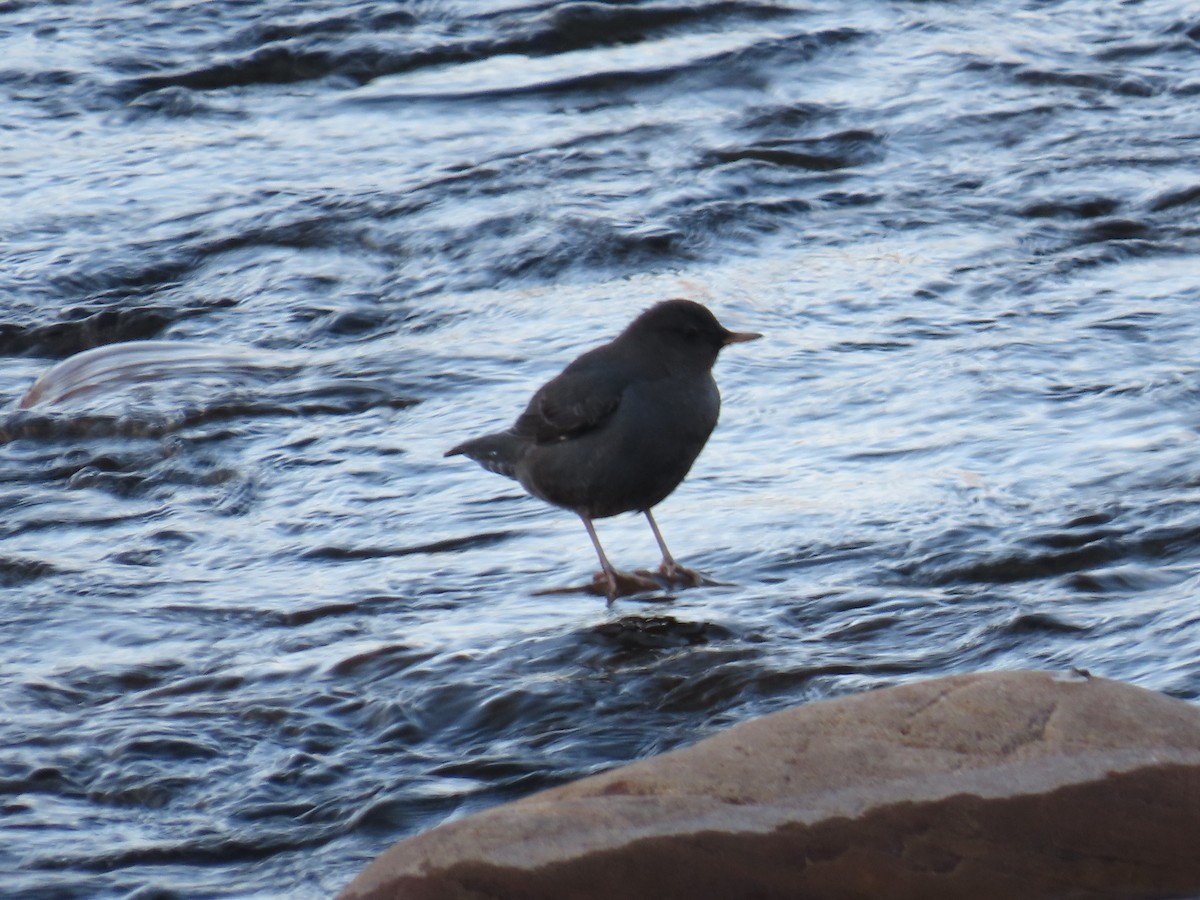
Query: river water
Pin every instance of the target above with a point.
(256, 628)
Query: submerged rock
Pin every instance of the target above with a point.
(1000, 785)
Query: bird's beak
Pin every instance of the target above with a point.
(741, 337)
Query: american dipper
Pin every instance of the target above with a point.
(618, 429)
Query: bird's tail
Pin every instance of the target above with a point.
(498, 453)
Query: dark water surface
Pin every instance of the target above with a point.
(256, 629)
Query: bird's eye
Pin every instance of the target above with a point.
(691, 332)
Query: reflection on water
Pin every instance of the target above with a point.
(257, 629)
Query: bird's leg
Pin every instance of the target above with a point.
(618, 583)
(670, 569)
(610, 574)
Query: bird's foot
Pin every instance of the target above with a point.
(616, 584)
(676, 575)
(667, 576)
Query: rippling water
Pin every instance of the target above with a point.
(256, 628)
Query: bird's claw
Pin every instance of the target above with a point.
(617, 584)
(677, 575)
(624, 584)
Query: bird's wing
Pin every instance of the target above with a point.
(578, 400)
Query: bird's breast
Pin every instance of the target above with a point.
(637, 457)
(675, 410)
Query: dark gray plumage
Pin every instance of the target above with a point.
(620, 427)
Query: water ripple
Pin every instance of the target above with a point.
(271, 263)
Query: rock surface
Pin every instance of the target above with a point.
(1003, 785)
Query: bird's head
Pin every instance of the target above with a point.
(684, 331)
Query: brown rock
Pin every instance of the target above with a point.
(1004, 785)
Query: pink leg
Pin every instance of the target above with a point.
(617, 583)
(669, 567)
(610, 573)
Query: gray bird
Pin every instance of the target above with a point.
(618, 429)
